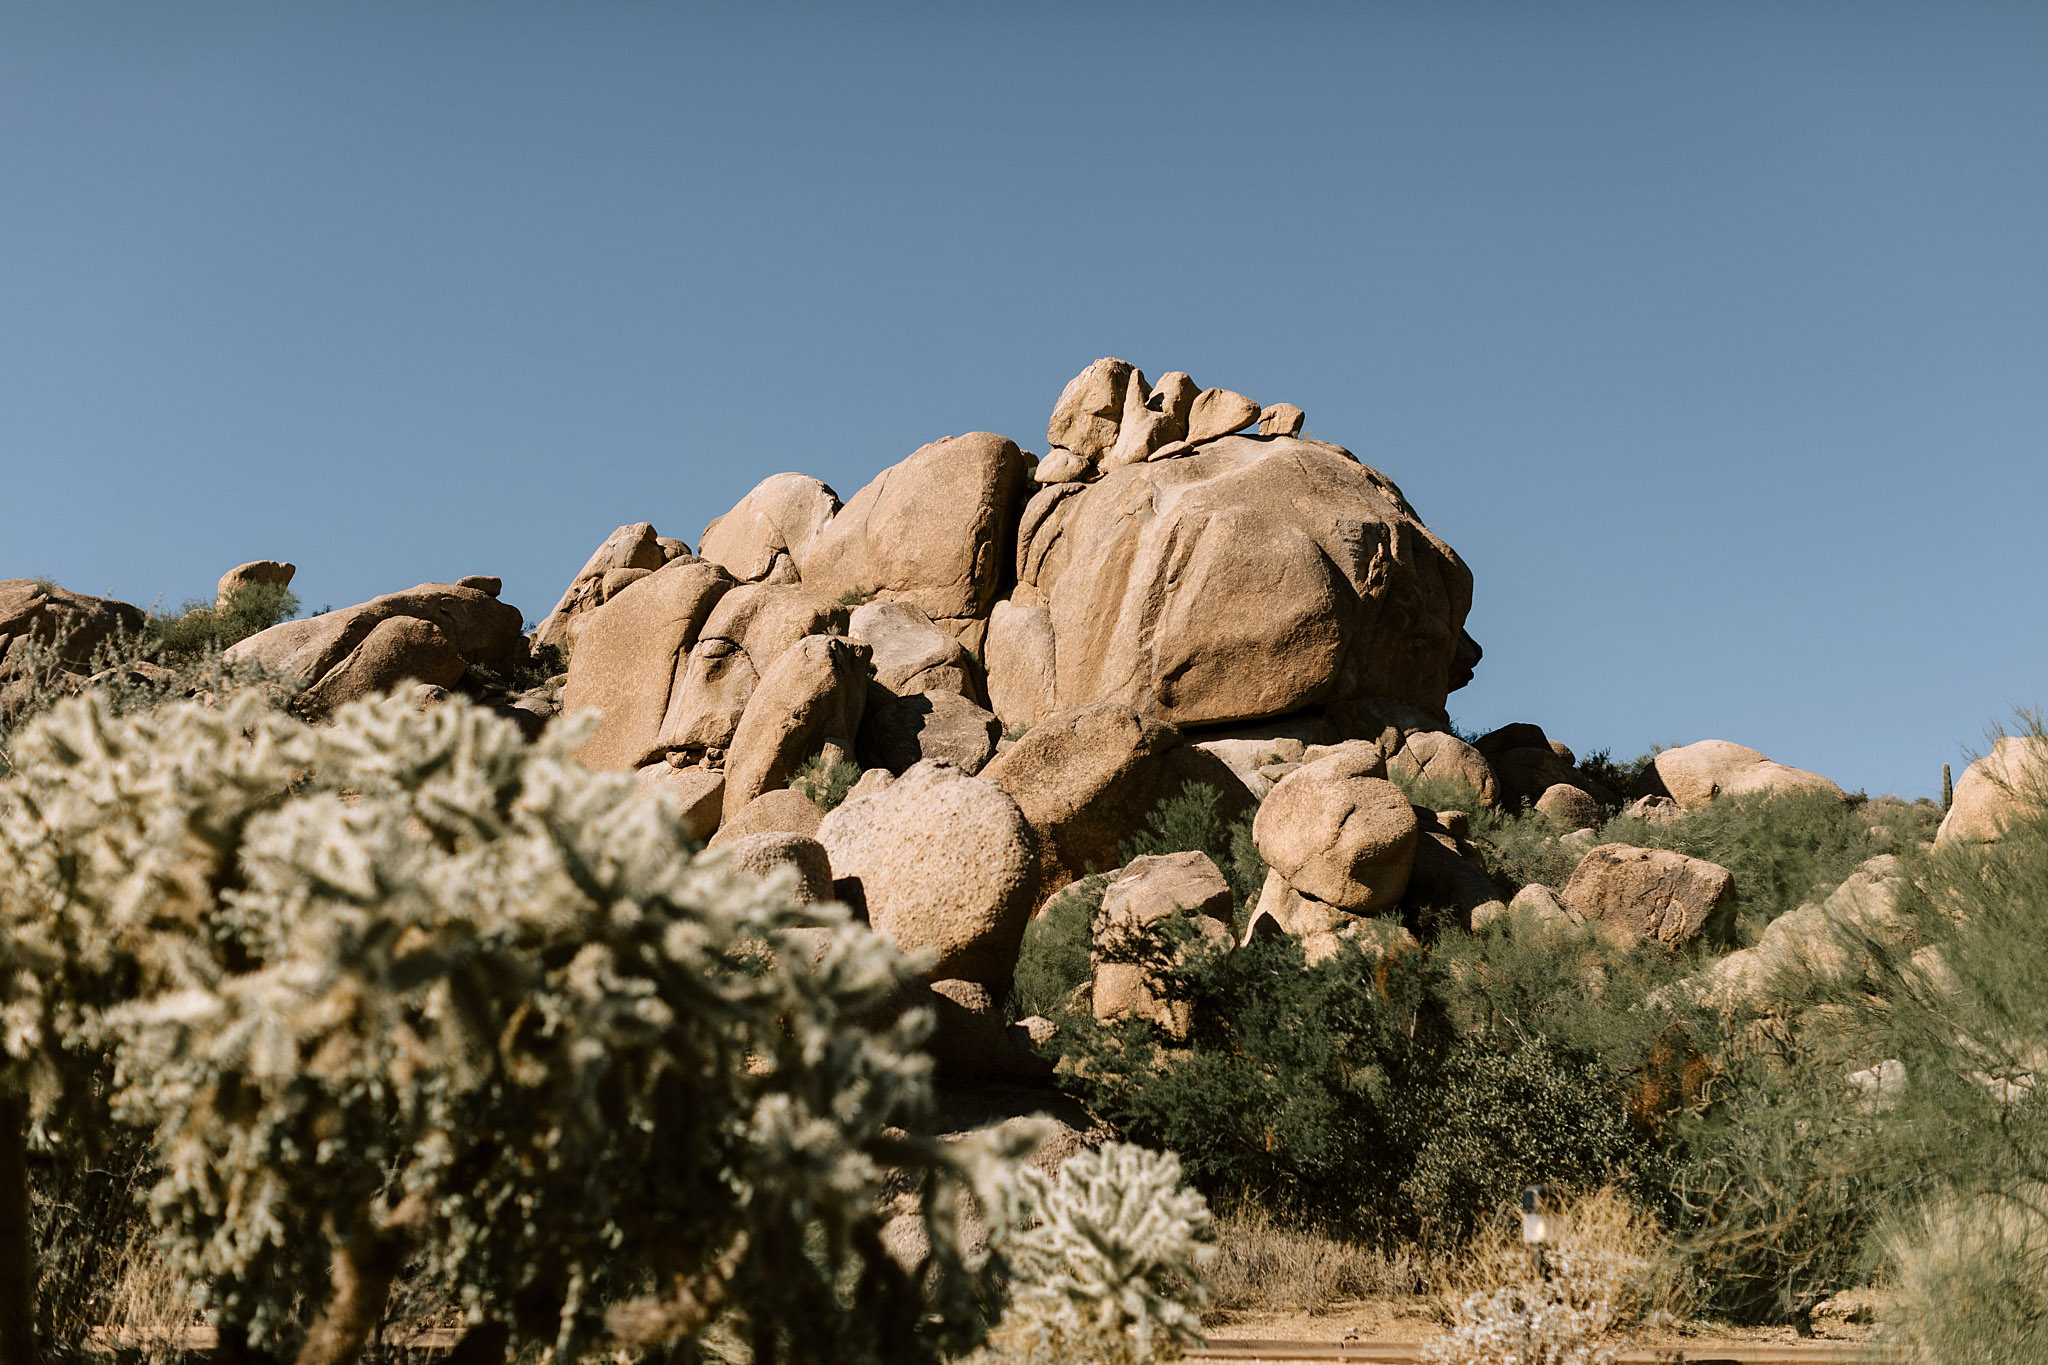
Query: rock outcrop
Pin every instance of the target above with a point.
(272, 572)
(431, 633)
(1336, 830)
(629, 652)
(74, 623)
(1653, 893)
(628, 555)
(2010, 780)
(1696, 773)
(809, 703)
(899, 732)
(1125, 954)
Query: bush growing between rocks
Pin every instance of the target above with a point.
(825, 781)
(408, 989)
(1056, 958)
(201, 626)
(1191, 823)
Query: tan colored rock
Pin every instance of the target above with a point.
(1697, 773)
(910, 653)
(1653, 893)
(1219, 412)
(932, 530)
(771, 530)
(629, 653)
(1337, 833)
(813, 695)
(746, 633)
(1438, 756)
(271, 571)
(2006, 784)
(1815, 940)
(1144, 428)
(697, 795)
(1250, 579)
(900, 732)
(1147, 891)
(397, 650)
(487, 584)
(1281, 419)
(1540, 904)
(1250, 758)
(1173, 397)
(1526, 764)
(1569, 807)
(944, 864)
(764, 855)
(1655, 810)
(1062, 466)
(1172, 450)
(870, 782)
(1087, 779)
(627, 554)
(781, 811)
(1090, 409)
(31, 609)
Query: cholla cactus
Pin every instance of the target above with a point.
(406, 987)
(1531, 1323)
(1106, 1259)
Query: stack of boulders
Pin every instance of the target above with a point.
(45, 628)
(1014, 660)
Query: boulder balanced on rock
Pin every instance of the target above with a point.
(1336, 830)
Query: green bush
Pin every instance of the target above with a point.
(1193, 823)
(1055, 957)
(201, 626)
(825, 781)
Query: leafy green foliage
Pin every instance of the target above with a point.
(825, 781)
(201, 626)
(1055, 957)
(1193, 823)
(407, 987)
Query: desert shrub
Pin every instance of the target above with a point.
(406, 989)
(1521, 848)
(826, 781)
(1192, 823)
(1438, 793)
(1971, 1282)
(1491, 1122)
(1531, 1322)
(535, 667)
(200, 626)
(1106, 1260)
(1265, 1262)
(1055, 957)
(1621, 778)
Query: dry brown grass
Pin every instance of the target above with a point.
(1262, 1265)
(1611, 1254)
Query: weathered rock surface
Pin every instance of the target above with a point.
(1994, 790)
(1438, 756)
(1249, 579)
(944, 863)
(932, 530)
(1145, 892)
(747, 632)
(763, 539)
(1086, 779)
(334, 655)
(1090, 409)
(1811, 939)
(270, 571)
(811, 697)
(910, 653)
(626, 556)
(1569, 807)
(1219, 412)
(1535, 900)
(1697, 773)
(1527, 764)
(34, 610)
(1061, 466)
(781, 811)
(1251, 758)
(1653, 893)
(697, 795)
(898, 732)
(763, 855)
(1281, 419)
(629, 653)
(1338, 831)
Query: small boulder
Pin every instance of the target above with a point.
(1528, 764)
(899, 732)
(1219, 412)
(1448, 883)
(696, 795)
(1339, 832)
(812, 696)
(1438, 756)
(871, 781)
(910, 653)
(1696, 773)
(34, 610)
(1090, 409)
(944, 864)
(1655, 810)
(270, 571)
(762, 855)
(627, 555)
(1145, 892)
(1569, 807)
(781, 811)
(2005, 784)
(1281, 419)
(1653, 893)
(1062, 466)
(484, 583)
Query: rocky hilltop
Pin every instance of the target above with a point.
(955, 693)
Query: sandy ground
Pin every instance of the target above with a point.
(1409, 1319)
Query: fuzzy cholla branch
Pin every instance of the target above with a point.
(1106, 1259)
(1530, 1323)
(408, 990)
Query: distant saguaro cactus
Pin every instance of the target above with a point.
(408, 989)
(1948, 788)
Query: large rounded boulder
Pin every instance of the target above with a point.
(1338, 831)
(1247, 578)
(945, 863)
(2003, 785)
(1695, 774)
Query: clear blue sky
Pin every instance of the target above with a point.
(1714, 336)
